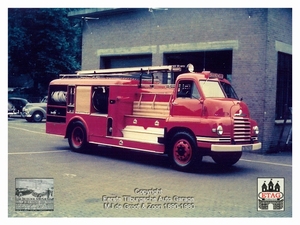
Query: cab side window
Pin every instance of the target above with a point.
(187, 89)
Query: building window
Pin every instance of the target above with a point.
(107, 62)
(284, 86)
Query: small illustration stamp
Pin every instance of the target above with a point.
(34, 194)
(270, 194)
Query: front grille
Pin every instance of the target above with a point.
(241, 129)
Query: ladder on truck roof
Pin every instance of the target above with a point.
(132, 72)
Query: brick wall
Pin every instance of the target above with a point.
(254, 32)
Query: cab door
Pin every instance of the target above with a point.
(187, 99)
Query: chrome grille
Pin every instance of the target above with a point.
(241, 129)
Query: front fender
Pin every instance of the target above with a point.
(37, 109)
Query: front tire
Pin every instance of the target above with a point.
(37, 117)
(77, 137)
(183, 152)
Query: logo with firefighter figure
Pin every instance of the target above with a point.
(270, 194)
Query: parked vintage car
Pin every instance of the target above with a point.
(23, 191)
(39, 194)
(35, 112)
(15, 105)
(11, 109)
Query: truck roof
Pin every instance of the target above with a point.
(123, 81)
(131, 75)
(203, 76)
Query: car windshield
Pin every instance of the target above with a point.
(211, 89)
(45, 99)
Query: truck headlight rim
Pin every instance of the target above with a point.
(255, 130)
(220, 130)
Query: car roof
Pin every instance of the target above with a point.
(17, 98)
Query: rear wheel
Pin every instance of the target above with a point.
(227, 158)
(183, 152)
(77, 137)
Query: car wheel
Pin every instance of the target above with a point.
(37, 117)
(183, 152)
(77, 137)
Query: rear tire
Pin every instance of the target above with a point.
(77, 137)
(183, 152)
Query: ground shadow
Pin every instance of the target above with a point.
(156, 160)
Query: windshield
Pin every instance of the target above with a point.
(229, 91)
(211, 89)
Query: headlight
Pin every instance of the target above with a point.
(255, 130)
(220, 130)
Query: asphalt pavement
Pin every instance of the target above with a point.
(91, 185)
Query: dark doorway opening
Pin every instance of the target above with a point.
(214, 61)
(284, 86)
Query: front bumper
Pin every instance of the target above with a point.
(235, 148)
(13, 114)
(25, 114)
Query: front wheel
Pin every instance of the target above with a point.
(37, 117)
(77, 137)
(226, 158)
(183, 152)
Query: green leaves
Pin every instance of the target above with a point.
(42, 43)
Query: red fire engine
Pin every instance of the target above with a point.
(200, 115)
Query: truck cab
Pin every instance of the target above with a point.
(207, 108)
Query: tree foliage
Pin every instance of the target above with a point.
(42, 43)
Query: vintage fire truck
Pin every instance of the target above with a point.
(200, 115)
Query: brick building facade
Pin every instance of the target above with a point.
(250, 46)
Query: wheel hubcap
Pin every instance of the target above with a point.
(37, 117)
(182, 152)
(77, 136)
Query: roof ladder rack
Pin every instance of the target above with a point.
(133, 72)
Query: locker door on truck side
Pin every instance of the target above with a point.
(95, 101)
